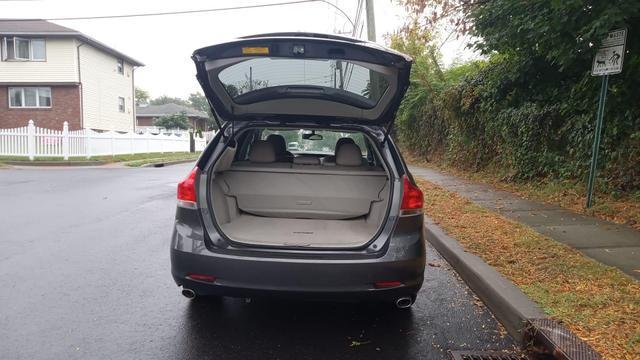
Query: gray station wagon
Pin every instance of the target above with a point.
(338, 216)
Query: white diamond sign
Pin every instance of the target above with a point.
(610, 56)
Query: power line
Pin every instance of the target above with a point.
(357, 19)
(192, 11)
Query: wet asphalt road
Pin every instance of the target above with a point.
(84, 265)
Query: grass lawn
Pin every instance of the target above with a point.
(621, 208)
(163, 158)
(599, 303)
(131, 159)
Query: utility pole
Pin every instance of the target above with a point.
(371, 36)
(339, 67)
(371, 21)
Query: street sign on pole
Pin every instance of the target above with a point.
(607, 61)
(610, 55)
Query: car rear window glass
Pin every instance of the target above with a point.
(264, 72)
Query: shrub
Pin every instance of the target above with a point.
(174, 121)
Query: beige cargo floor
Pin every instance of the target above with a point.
(257, 230)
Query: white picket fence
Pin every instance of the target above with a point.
(33, 142)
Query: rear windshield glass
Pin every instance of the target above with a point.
(260, 73)
(324, 141)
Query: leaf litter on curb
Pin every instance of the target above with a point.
(597, 302)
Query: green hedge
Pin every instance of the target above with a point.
(524, 117)
(528, 111)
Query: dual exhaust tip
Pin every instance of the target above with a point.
(189, 294)
(404, 302)
(401, 303)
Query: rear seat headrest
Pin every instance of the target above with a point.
(306, 160)
(279, 144)
(349, 154)
(342, 141)
(262, 151)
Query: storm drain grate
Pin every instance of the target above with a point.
(561, 342)
(486, 355)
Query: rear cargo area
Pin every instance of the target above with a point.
(300, 204)
(258, 230)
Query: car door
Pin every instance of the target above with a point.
(301, 77)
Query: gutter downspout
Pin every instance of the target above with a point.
(133, 96)
(80, 87)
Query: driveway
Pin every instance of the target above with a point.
(85, 275)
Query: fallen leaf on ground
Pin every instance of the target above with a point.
(358, 343)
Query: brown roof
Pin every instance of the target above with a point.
(30, 26)
(37, 27)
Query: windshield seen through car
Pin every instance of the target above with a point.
(296, 142)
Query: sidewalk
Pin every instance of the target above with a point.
(611, 244)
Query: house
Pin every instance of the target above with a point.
(146, 115)
(51, 74)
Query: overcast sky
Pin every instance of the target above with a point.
(165, 43)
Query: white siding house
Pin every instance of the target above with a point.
(103, 88)
(59, 66)
(52, 74)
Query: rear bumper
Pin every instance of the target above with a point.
(308, 280)
(258, 274)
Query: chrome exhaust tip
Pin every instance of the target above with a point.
(189, 294)
(404, 302)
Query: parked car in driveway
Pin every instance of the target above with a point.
(293, 146)
(254, 219)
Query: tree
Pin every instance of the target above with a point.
(164, 99)
(199, 102)
(381, 85)
(426, 15)
(563, 32)
(250, 84)
(142, 96)
(530, 106)
(174, 121)
(232, 90)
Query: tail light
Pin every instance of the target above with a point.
(187, 191)
(201, 277)
(386, 284)
(412, 198)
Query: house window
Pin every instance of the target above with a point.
(30, 97)
(15, 48)
(121, 104)
(120, 66)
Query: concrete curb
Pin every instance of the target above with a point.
(524, 320)
(507, 303)
(55, 163)
(167, 163)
